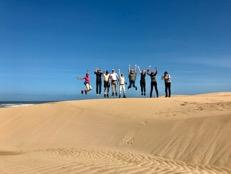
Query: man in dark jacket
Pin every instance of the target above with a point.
(152, 75)
(98, 77)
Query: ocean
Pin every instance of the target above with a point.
(6, 104)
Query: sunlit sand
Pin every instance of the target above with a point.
(182, 134)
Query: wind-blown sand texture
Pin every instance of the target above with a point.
(183, 134)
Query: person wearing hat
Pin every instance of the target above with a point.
(167, 80)
(106, 84)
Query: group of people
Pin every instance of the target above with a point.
(117, 80)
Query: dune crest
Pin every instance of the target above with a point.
(183, 134)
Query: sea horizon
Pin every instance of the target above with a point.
(5, 103)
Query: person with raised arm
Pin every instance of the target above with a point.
(98, 79)
(132, 73)
(86, 83)
(167, 80)
(114, 82)
(122, 84)
(142, 81)
(152, 75)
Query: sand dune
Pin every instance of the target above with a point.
(183, 134)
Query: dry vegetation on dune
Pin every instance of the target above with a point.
(183, 134)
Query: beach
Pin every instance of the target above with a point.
(183, 134)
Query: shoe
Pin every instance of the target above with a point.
(112, 94)
(142, 93)
(119, 96)
(107, 95)
(136, 88)
(125, 96)
(104, 95)
(81, 91)
(116, 94)
(85, 92)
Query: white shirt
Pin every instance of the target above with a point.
(122, 80)
(106, 77)
(114, 76)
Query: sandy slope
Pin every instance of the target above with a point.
(184, 134)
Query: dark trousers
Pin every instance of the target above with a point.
(98, 87)
(154, 84)
(143, 87)
(167, 89)
(132, 84)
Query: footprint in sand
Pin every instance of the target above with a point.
(128, 140)
(200, 108)
(184, 104)
(144, 123)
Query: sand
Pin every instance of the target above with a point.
(182, 134)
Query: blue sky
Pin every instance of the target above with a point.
(45, 44)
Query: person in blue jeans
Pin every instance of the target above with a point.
(152, 75)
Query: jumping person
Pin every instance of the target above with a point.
(106, 79)
(142, 81)
(98, 76)
(122, 84)
(167, 80)
(152, 75)
(114, 82)
(86, 83)
(132, 77)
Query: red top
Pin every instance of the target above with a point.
(87, 79)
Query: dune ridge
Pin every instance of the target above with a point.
(183, 134)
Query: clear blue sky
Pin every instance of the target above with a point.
(45, 44)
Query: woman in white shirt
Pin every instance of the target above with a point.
(122, 84)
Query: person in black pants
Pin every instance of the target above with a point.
(152, 75)
(167, 80)
(98, 77)
(142, 81)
